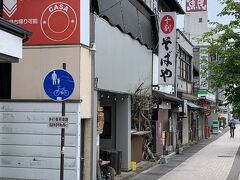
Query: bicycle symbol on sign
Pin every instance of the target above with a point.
(61, 91)
(58, 84)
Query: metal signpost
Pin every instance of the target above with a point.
(59, 85)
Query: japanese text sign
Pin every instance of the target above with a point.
(167, 48)
(203, 83)
(196, 5)
(50, 21)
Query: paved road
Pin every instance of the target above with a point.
(216, 159)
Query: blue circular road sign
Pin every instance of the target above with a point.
(58, 84)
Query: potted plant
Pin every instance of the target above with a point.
(179, 148)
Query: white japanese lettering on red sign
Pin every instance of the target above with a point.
(196, 5)
(50, 21)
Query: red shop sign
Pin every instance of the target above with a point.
(50, 21)
(167, 24)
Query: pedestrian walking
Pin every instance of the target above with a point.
(232, 125)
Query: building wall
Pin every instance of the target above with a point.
(122, 63)
(184, 43)
(193, 27)
(85, 82)
(28, 75)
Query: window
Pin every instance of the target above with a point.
(5, 80)
(152, 4)
(107, 129)
(185, 65)
(200, 20)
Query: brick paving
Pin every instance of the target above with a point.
(217, 158)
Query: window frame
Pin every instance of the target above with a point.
(185, 61)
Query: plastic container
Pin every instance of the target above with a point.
(133, 165)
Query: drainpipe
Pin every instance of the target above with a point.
(94, 99)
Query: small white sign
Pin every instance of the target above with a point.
(59, 122)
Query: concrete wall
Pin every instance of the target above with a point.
(122, 63)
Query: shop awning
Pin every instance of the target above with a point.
(175, 6)
(193, 106)
(189, 97)
(11, 39)
(171, 98)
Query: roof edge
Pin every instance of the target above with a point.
(14, 29)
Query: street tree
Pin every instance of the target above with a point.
(224, 48)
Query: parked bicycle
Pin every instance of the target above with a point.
(105, 172)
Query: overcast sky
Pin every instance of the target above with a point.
(213, 8)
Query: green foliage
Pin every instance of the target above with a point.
(222, 119)
(224, 45)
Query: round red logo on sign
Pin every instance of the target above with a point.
(167, 24)
(58, 21)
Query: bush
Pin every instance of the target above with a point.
(223, 119)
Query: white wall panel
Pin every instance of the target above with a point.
(30, 149)
(10, 45)
(122, 63)
(30, 174)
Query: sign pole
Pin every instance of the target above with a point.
(62, 138)
(59, 85)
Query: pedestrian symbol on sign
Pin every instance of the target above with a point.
(58, 84)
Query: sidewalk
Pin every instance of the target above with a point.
(210, 159)
(215, 161)
(146, 167)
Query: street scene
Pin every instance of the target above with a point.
(216, 158)
(119, 89)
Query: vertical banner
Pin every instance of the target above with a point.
(167, 48)
(50, 21)
(196, 5)
(203, 83)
